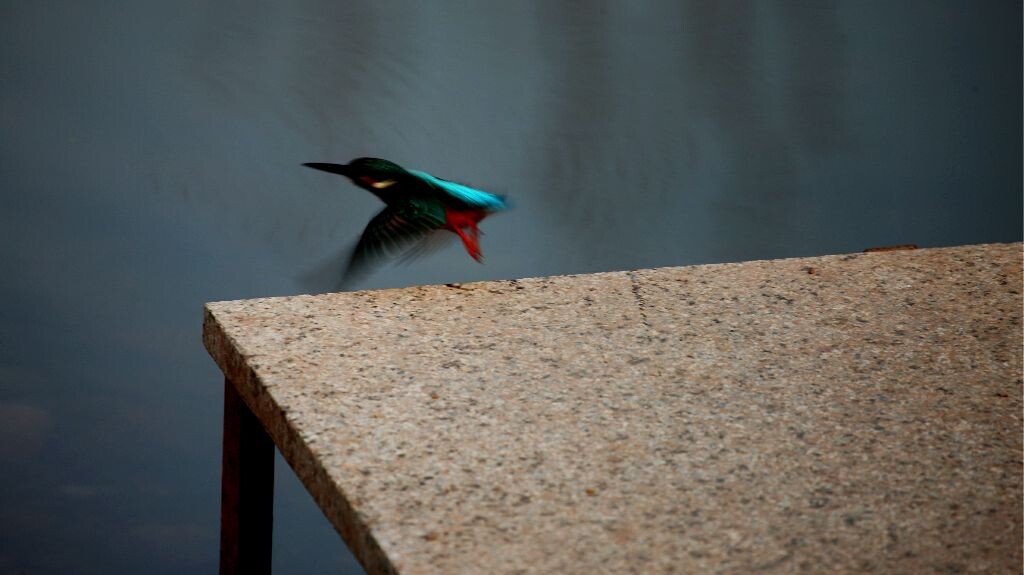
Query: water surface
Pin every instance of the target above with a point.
(150, 161)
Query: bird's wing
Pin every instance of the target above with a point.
(390, 232)
(326, 274)
(429, 244)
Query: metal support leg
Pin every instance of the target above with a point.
(247, 490)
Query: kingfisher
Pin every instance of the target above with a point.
(417, 206)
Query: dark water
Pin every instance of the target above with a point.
(150, 161)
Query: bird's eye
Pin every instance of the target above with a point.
(382, 184)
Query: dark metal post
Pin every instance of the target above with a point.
(247, 490)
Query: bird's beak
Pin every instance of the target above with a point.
(332, 168)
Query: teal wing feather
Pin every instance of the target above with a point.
(472, 197)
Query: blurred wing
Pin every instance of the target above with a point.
(389, 233)
(431, 243)
(326, 275)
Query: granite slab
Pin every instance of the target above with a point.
(849, 413)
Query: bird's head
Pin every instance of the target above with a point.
(372, 174)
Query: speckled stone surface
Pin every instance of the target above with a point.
(856, 413)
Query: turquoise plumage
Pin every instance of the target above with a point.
(471, 196)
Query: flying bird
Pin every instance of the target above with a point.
(418, 207)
